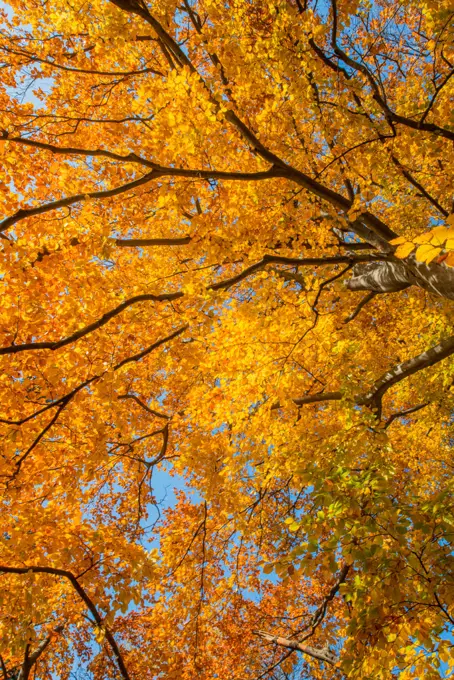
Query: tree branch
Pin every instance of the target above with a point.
(297, 261)
(390, 115)
(320, 654)
(144, 406)
(34, 58)
(84, 597)
(163, 297)
(3, 667)
(23, 213)
(169, 297)
(321, 611)
(31, 659)
(34, 444)
(143, 242)
(67, 397)
(408, 176)
(281, 167)
(278, 169)
(370, 296)
(373, 397)
(402, 414)
(403, 370)
(312, 399)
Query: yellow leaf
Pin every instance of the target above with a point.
(404, 250)
(440, 230)
(450, 260)
(427, 253)
(423, 238)
(444, 656)
(398, 241)
(439, 235)
(100, 634)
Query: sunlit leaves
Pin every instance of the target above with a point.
(303, 508)
(436, 243)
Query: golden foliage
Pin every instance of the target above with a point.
(186, 188)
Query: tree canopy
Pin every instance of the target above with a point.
(227, 253)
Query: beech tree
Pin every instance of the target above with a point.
(228, 253)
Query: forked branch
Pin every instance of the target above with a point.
(373, 397)
(86, 600)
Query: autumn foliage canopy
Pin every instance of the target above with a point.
(226, 262)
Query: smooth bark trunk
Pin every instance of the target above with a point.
(395, 275)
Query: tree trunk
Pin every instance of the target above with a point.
(388, 277)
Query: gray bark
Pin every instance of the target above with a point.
(320, 654)
(395, 275)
